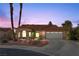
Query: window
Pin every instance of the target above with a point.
(37, 34)
(29, 34)
(23, 33)
(18, 34)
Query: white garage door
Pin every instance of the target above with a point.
(54, 35)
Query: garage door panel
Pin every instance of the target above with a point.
(54, 35)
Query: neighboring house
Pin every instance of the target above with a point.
(49, 31)
(4, 33)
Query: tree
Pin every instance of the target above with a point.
(50, 23)
(72, 35)
(76, 30)
(11, 14)
(12, 24)
(20, 14)
(67, 26)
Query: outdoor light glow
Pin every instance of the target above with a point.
(37, 34)
(43, 33)
(23, 33)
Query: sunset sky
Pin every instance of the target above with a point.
(38, 13)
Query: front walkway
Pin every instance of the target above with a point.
(55, 47)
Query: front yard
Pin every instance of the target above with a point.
(56, 47)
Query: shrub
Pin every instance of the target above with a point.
(36, 42)
(73, 35)
(44, 42)
(4, 41)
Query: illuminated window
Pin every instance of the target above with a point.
(29, 34)
(18, 34)
(23, 33)
(37, 34)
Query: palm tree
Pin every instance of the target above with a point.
(20, 14)
(12, 24)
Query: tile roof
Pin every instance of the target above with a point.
(43, 27)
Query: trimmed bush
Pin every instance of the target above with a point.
(4, 41)
(36, 42)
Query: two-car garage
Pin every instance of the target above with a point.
(54, 35)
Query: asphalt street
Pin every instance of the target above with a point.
(18, 52)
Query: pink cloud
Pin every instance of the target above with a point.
(4, 22)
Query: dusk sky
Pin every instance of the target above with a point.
(40, 13)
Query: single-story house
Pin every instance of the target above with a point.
(48, 31)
